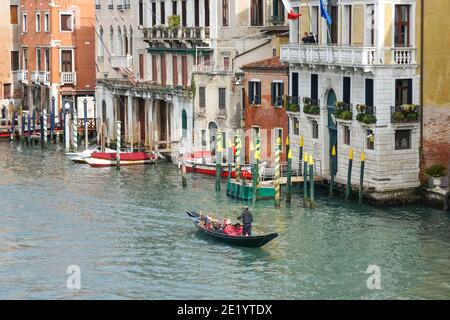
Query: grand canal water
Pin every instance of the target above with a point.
(128, 233)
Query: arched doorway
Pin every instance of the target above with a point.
(184, 123)
(212, 137)
(332, 128)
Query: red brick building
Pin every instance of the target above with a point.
(266, 83)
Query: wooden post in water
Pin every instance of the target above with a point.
(349, 175)
(75, 130)
(311, 180)
(218, 160)
(118, 132)
(183, 175)
(52, 120)
(256, 169)
(287, 144)
(230, 151)
(305, 181)
(300, 159)
(22, 129)
(66, 130)
(238, 157)
(277, 173)
(13, 126)
(29, 129)
(44, 116)
(289, 178)
(361, 180)
(34, 123)
(332, 170)
(86, 133)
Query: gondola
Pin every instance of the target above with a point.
(250, 241)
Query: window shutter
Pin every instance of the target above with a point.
(258, 92)
(273, 89)
(250, 93)
(410, 92)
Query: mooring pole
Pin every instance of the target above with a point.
(311, 180)
(183, 175)
(44, 116)
(42, 129)
(300, 159)
(332, 170)
(75, 130)
(289, 177)
(52, 121)
(277, 173)
(349, 174)
(22, 133)
(305, 180)
(287, 144)
(238, 157)
(447, 193)
(218, 160)
(13, 126)
(66, 130)
(230, 155)
(29, 128)
(256, 169)
(118, 132)
(361, 181)
(86, 141)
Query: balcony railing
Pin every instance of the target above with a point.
(405, 113)
(110, 6)
(328, 55)
(293, 104)
(162, 33)
(403, 56)
(122, 61)
(44, 77)
(22, 75)
(212, 69)
(277, 20)
(278, 103)
(68, 78)
(34, 76)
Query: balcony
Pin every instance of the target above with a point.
(163, 33)
(34, 77)
(403, 56)
(293, 104)
(22, 75)
(44, 77)
(406, 113)
(277, 20)
(68, 78)
(121, 62)
(278, 103)
(212, 69)
(329, 55)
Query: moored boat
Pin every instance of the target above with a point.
(243, 241)
(80, 157)
(103, 159)
(209, 168)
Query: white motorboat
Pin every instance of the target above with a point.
(80, 157)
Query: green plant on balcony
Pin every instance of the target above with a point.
(309, 107)
(436, 171)
(366, 118)
(340, 104)
(361, 108)
(343, 114)
(174, 22)
(292, 107)
(406, 113)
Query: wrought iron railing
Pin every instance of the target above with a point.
(405, 113)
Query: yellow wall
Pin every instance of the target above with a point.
(388, 11)
(358, 24)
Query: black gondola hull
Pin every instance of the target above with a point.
(250, 241)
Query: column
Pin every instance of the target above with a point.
(130, 118)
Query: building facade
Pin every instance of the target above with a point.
(10, 88)
(265, 108)
(358, 87)
(57, 54)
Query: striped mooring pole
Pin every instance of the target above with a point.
(256, 169)
(29, 129)
(13, 128)
(300, 158)
(361, 180)
(218, 160)
(86, 134)
(289, 178)
(287, 144)
(52, 121)
(75, 130)
(332, 170)
(349, 175)
(305, 180)
(230, 156)
(22, 130)
(277, 173)
(44, 117)
(238, 157)
(118, 132)
(66, 130)
(311, 181)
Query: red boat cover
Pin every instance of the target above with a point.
(135, 156)
(233, 231)
(197, 155)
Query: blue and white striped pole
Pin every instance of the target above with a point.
(75, 130)
(44, 123)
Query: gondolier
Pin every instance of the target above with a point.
(247, 219)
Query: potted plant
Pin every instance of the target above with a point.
(436, 171)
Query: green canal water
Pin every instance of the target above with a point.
(128, 233)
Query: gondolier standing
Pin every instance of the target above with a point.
(247, 219)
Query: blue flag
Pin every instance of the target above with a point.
(324, 13)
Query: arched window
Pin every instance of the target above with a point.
(111, 40)
(124, 41)
(101, 51)
(130, 37)
(119, 41)
(184, 123)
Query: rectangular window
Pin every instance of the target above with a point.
(315, 21)
(315, 129)
(226, 63)
(25, 59)
(14, 10)
(203, 138)
(196, 13)
(47, 59)
(370, 140)
(277, 91)
(334, 25)
(141, 66)
(402, 25)
(66, 61)
(206, 13)
(295, 126)
(403, 91)
(222, 98)
(24, 22)
(46, 22)
(202, 97)
(141, 12)
(369, 92)
(184, 71)
(278, 136)
(163, 13)
(347, 89)
(294, 82)
(254, 92)
(225, 13)
(7, 91)
(154, 14)
(314, 86)
(347, 32)
(163, 70)
(175, 70)
(38, 22)
(371, 24)
(97, 4)
(66, 22)
(154, 68)
(346, 135)
(183, 13)
(257, 13)
(38, 59)
(15, 61)
(174, 8)
(402, 139)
